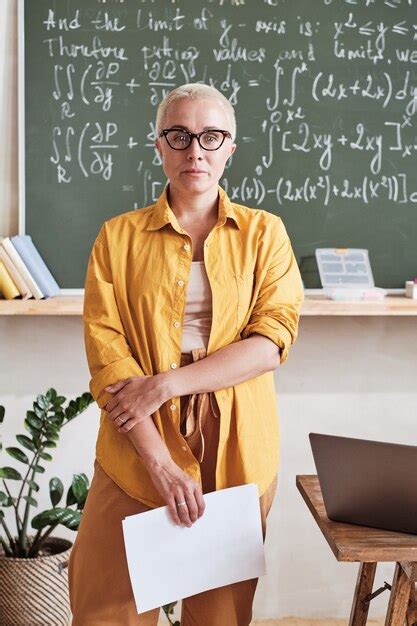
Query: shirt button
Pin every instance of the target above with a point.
(173, 366)
(177, 324)
(186, 246)
(173, 407)
(184, 447)
(180, 283)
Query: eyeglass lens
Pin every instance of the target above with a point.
(209, 140)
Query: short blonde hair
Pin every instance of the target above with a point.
(195, 90)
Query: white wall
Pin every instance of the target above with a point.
(349, 376)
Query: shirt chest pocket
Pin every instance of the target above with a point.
(244, 285)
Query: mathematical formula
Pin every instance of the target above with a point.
(292, 71)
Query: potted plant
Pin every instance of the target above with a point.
(33, 565)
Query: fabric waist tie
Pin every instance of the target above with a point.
(196, 409)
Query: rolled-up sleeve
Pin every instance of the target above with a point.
(277, 308)
(108, 353)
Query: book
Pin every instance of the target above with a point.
(7, 286)
(21, 267)
(35, 264)
(17, 278)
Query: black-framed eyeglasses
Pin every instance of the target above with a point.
(180, 139)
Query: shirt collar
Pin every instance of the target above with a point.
(162, 212)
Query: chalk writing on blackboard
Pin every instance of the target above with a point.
(91, 72)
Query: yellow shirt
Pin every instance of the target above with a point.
(134, 303)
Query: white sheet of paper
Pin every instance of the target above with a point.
(168, 562)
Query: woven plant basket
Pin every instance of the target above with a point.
(34, 592)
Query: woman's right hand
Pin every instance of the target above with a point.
(175, 486)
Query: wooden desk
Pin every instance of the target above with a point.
(351, 542)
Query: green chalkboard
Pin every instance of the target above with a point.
(325, 94)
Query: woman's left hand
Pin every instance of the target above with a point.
(135, 399)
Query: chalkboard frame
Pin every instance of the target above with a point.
(22, 133)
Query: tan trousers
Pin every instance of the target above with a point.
(99, 584)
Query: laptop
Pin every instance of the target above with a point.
(371, 483)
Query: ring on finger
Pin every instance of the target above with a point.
(121, 421)
(182, 503)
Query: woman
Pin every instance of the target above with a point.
(190, 305)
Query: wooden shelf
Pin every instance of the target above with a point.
(315, 305)
(57, 305)
(390, 305)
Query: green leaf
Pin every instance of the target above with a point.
(80, 488)
(32, 484)
(6, 500)
(56, 489)
(71, 519)
(38, 411)
(55, 421)
(84, 401)
(45, 456)
(71, 410)
(10, 473)
(67, 517)
(39, 468)
(30, 500)
(33, 431)
(59, 400)
(2, 412)
(51, 395)
(18, 454)
(33, 420)
(46, 518)
(9, 502)
(42, 401)
(51, 435)
(26, 442)
(75, 407)
(59, 418)
(71, 499)
(49, 444)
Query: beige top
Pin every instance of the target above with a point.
(197, 316)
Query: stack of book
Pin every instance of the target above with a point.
(23, 272)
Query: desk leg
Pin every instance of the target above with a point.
(399, 597)
(412, 607)
(364, 584)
